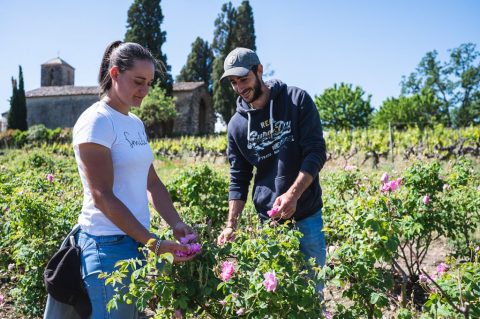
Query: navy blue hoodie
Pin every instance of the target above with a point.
(280, 140)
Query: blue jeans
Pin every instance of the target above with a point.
(99, 254)
(312, 244)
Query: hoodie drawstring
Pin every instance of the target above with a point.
(248, 126)
(271, 117)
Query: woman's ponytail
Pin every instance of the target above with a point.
(104, 79)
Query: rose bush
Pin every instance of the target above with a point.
(260, 275)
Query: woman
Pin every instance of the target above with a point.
(115, 164)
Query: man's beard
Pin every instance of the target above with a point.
(257, 90)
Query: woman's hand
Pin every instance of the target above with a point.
(179, 251)
(181, 230)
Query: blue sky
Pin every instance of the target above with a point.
(311, 44)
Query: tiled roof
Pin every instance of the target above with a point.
(95, 90)
(63, 90)
(187, 86)
(57, 60)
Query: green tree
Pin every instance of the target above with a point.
(420, 109)
(17, 116)
(455, 83)
(143, 27)
(199, 64)
(245, 27)
(470, 114)
(342, 107)
(223, 43)
(157, 112)
(233, 28)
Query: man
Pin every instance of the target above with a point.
(276, 129)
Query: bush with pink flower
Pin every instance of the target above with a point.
(261, 273)
(454, 292)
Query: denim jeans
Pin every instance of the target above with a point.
(312, 244)
(99, 254)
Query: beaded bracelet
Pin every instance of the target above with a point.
(157, 246)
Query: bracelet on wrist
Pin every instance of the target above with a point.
(157, 246)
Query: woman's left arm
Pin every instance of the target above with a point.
(162, 202)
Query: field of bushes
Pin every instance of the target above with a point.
(383, 222)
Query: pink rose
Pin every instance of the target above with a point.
(192, 250)
(227, 270)
(391, 186)
(422, 278)
(270, 281)
(273, 211)
(178, 314)
(50, 177)
(222, 302)
(188, 238)
(426, 199)
(384, 178)
(442, 268)
(240, 311)
(193, 247)
(2, 300)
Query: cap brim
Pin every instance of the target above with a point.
(238, 71)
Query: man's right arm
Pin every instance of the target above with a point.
(240, 176)
(235, 208)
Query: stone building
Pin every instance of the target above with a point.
(59, 106)
(59, 103)
(194, 109)
(3, 121)
(57, 72)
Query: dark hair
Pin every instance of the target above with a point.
(254, 68)
(123, 55)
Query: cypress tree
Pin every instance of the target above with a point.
(233, 28)
(223, 43)
(199, 64)
(22, 101)
(244, 27)
(12, 113)
(17, 116)
(143, 27)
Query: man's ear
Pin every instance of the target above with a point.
(260, 70)
(114, 72)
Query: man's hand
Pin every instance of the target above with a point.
(182, 230)
(287, 205)
(227, 234)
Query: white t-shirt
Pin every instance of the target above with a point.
(125, 136)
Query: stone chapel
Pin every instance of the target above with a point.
(59, 103)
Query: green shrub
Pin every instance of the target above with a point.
(201, 195)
